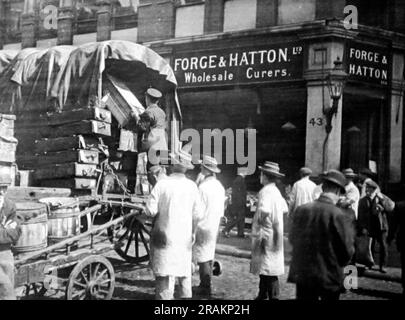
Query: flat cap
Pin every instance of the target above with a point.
(305, 171)
(370, 183)
(154, 93)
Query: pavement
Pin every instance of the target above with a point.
(235, 246)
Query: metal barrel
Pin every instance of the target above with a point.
(63, 218)
(34, 227)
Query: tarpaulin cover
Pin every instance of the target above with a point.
(6, 56)
(70, 76)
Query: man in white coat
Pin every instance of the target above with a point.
(267, 233)
(213, 198)
(303, 190)
(352, 196)
(176, 203)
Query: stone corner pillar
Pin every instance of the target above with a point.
(322, 151)
(28, 34)
(104, 20)
(395, 143)
(65, 24)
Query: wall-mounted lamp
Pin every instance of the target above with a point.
(336, 80)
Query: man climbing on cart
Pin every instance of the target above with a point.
(153, 120)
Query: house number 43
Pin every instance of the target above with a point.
(316, 122)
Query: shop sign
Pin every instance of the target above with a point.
(241, 65)
(368, 63)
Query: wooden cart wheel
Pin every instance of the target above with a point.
(91, 279)
(132, 240)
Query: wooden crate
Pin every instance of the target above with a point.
(67, 170)
(7, 125)
(8, 147)
(7, 172)
(85, 127)
(66, 143)
(36, 193)
(42, 160)
(73, 183)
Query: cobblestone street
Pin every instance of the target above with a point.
(236, 283)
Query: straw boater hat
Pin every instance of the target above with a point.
(210, 163)
(154, 93)
(337, 178)
(349, 173)
(182, 158)
(272, 168)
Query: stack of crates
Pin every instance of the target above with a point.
(8, 146)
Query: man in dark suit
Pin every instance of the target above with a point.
(322, 237)
(238, 204)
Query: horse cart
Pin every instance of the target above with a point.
(69, 107)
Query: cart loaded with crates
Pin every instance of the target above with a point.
(77, 166)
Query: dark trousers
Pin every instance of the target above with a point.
(238, 220)
(205, 269)
(313, 293)
(381, 239)
(269, 288)
(403, 269)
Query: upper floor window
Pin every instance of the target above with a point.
(239, 15)
(189, 19)
(293, 11)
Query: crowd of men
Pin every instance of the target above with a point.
(329, 225)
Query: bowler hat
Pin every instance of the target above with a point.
(210, 163)
(337, 178)
(367, 172)
(154, 93)
(271, 168)
(349, 173)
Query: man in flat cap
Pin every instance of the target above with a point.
(303, 190)
(322, 238)
(154, 122)
(372, 219)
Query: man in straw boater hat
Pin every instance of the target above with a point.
(303, 190)
(322, 238)
(267, 233)
(10, 232)
(213, 198)
(176, 203)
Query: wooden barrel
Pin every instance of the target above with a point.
(34, 227)
(63, 218)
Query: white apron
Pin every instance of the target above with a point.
(213, 196)
(176, 203)
(268, 259)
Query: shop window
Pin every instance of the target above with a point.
(293, 11)
(239, 15)
(190, 20)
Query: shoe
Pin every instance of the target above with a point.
(382, 270)
(203, 292)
